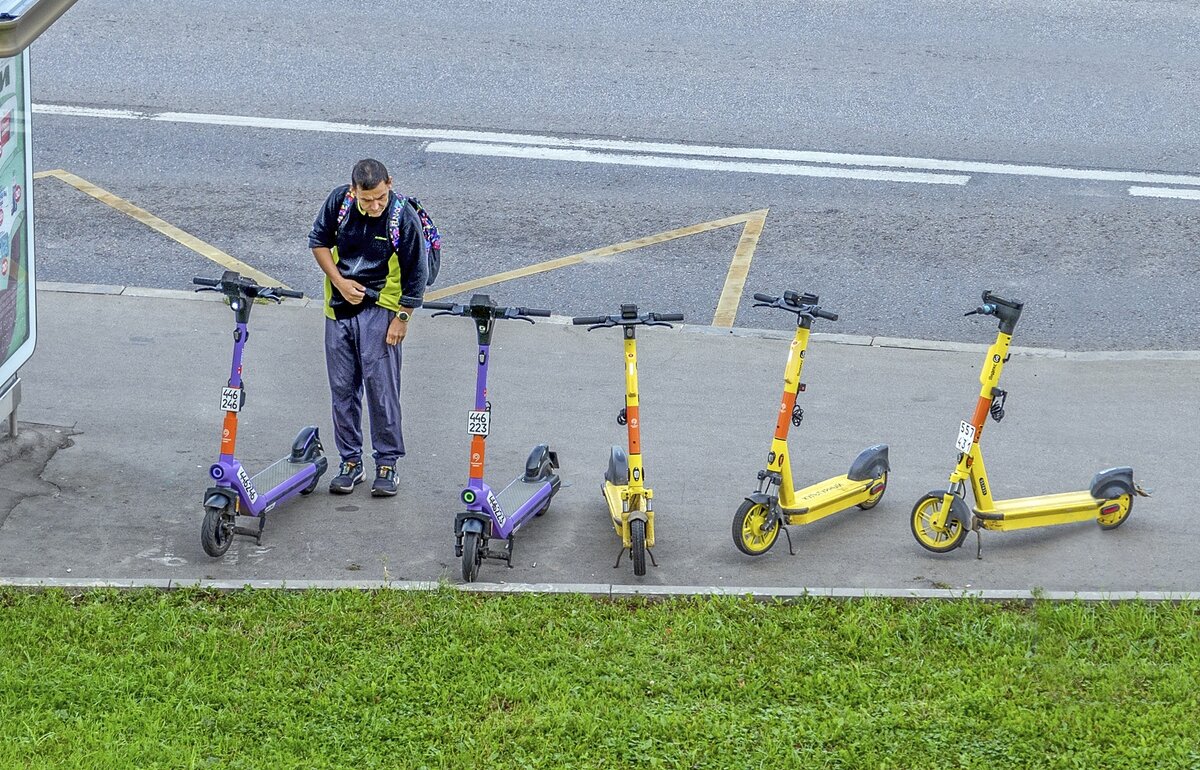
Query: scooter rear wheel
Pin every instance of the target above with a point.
(748, 533)
(1117, 517)
(216, 533)
(637, 546)
(471, 556)
(931, 539)
(874, 499)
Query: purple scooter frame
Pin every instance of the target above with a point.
(236, 492)
(490, 515)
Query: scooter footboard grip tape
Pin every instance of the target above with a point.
(765, 298)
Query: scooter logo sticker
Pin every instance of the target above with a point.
(501, 519)
(247, 485)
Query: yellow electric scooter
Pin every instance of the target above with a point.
(630, 501)
(777, 503)
(940, 519)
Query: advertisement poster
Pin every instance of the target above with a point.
(16, 248)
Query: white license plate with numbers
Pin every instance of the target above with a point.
(231, 399)
(966, 436)
(479, 423)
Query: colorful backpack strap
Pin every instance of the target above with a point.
(344, 211)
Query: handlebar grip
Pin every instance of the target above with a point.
(826, 315)
(668, 316)
(206, 281)
(288, 293)
(439, 305)
(533, 312)
(589, 320)
(765, 298)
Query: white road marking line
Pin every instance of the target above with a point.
(694, 164)
(1165, 192)
(660, 148)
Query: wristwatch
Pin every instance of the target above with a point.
(403, 315)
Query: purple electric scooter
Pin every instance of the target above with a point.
(237, 493)
(490, 515)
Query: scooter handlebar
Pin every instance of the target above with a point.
(439, 305)
(533, 312)
(667, 316)
(206, 281)
(589, 320)
(765, 298)
(287, 293)
(819, 313)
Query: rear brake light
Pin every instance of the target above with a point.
(1110, 509)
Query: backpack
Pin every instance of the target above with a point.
(433, 240)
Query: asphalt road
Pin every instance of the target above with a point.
(1079, 85)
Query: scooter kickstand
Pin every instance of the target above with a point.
(621, 553)
(978, 545)
(508, 549)
(789, 539)
(652, 561)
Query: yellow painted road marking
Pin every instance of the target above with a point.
(735, 279)
(753, 222)
(166, 228)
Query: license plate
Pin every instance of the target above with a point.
(231, 399)
(966, 436)
(479, 423)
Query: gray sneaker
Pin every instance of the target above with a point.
(385, 482)
(349, 475)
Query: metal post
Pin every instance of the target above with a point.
(10, 399)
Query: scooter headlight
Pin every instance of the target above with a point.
(468, 496)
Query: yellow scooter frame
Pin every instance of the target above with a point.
(777, 503)
(630, 501)
(940, 519)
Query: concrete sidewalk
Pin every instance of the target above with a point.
(130, 380)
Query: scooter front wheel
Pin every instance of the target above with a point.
(471, 556)
(216, 533)
(748, 533)
(939, 541)
(637, 546)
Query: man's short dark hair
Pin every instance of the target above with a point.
(368, 174)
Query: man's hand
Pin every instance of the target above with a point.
(352, 291)
(397, 329)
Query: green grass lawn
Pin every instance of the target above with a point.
(267, 679)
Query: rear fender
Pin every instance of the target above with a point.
(871, 463)
(541, 464)
(618, 467)
(1114, 478)
(306, 446)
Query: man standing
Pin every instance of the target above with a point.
(373, 258)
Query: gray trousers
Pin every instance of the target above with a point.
(357, 354)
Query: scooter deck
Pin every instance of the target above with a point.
(1022, 512)
(518, 493)
(275, 474)
(825, 498)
